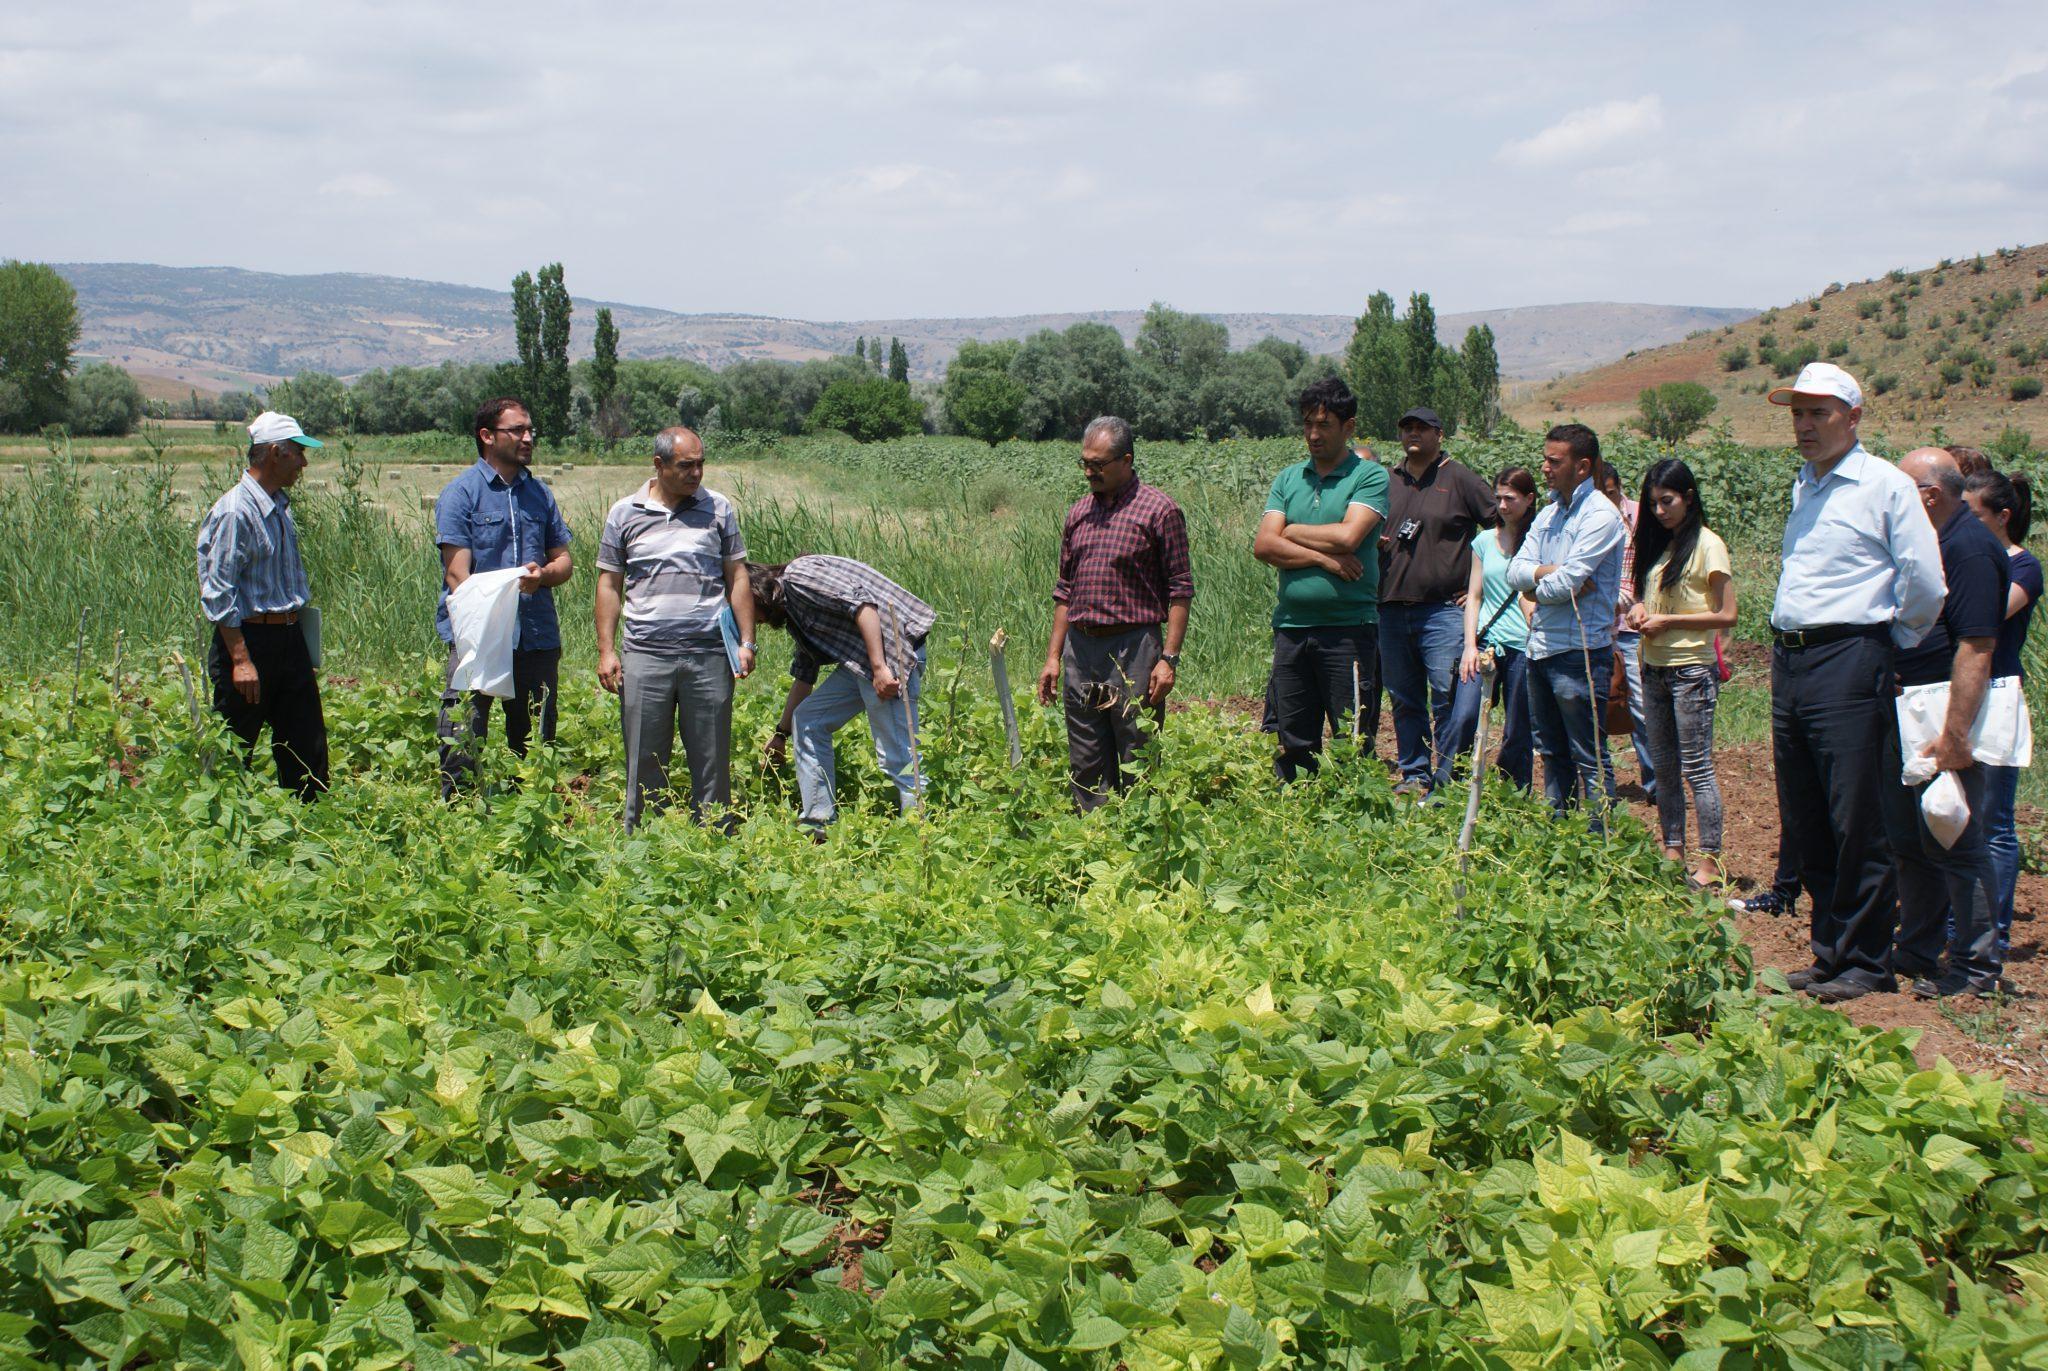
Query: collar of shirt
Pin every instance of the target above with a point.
(1855, 462)
(494, 480)
(1337, 473)
(1566, 508)
(280, 501)
(1110, 504)
(646, 499)
(1428, 472)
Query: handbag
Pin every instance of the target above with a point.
(1620, 720)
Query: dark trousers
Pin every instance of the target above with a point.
(1320, 677)
(1567, 701)
(1948, 896)
(1104, 683)
(1830, 707)
(1785, 879)
(466, 715)
(287, 699)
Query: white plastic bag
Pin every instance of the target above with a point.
(2002, 734)
(484, 613)
(1943, 807)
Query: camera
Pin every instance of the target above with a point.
(1408, 529)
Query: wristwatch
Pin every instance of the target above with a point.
(749, 645)
(1172, 659)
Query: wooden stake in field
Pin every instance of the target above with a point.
(1001, 671)
(192, 707)
(1478, 779)
(909, 718)
(1357, 708)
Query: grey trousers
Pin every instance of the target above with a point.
(1105, 680)
(659, 690)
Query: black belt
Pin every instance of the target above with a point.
(1109, 630)
(1797, 638)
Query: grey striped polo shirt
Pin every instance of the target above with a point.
(673, 561)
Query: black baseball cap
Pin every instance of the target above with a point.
(1425, 414)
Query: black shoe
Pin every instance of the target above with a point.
(1905, 967)
(1765, 903)
(1812, 975)
(1843, 989)
(1952, 983)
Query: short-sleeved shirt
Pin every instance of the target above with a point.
(1510, 632)
(1309, 596)
(2012, 634)
(1975, 567)
(673, 562)
(822, 597)
(503, 526)
(1694, 594)
(1123, 558)
(1450, 505)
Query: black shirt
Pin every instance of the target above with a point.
(1976, 569)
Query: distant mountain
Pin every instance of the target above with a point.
(1960, 346)
(216, 327)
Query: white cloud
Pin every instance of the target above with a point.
(358, 185)
(1585, 132)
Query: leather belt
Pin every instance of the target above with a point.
(1797, 638)
(1109, 630)
(288, 616)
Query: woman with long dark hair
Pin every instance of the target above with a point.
(2006, 505)
(1685, 591)
(1490, 611)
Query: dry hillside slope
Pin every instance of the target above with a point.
(1959, 345)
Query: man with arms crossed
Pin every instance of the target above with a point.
(496, 515)
(671, 556)
(1570, 564)
(1861, 579)
(1123, 569)
(253, 588)
(1319, 514)
(1436, 506)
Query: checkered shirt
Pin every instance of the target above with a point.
(821, 596)
(1123, 558)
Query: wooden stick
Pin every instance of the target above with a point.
(1002, 674)
(1357, 707)
(1478, 780)
(909, 719)
(192, 707)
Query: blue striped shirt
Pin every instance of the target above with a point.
(249, 556)
(1583, 539)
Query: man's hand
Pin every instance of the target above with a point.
(1950, 752)
(530, 582)
(1346, 567)
(1625, 597)
(886, 684)
(746, 662)
(1161, 684)
(1048, 680)
(243, 673)
(777, 751)
(611, 672)
(1468, 664)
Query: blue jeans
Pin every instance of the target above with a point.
(1511, 688)
(834, 703)
(1419, 650)
(1564, 714)
(2001, 786)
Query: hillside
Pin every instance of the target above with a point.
(1942, 346)
(217, 327)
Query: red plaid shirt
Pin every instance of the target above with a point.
(1123, 558)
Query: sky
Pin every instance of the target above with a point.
(877, 160)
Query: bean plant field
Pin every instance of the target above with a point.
(1216, 1077)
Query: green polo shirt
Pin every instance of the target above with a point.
(1311, 597)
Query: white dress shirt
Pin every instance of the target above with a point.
(1859, 549)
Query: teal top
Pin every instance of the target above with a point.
(1311, 597)
(1512, 632)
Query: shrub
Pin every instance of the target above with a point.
(1735, 358)
(2026, 387)
(1804, 324)
(1884, 383)
(103, 401)
(1977, 265)
(1895, 328)
(1813, 306)
(868, 410)
(1674, 411)
(2011, 444)
(1950, 371)
(1838, 348)
(1869, 309)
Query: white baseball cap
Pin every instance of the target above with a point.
(1821, 378)
(272, 427)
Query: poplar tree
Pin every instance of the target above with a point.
(551, 413)
(604, 365)
(1376, 367)
(526, 333)
(1480, 362)
(899, 361)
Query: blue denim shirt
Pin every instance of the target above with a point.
(502, 526)
(1574, 604)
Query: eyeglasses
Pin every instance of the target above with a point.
(1096, 468)
(678, 464)
(521, 431)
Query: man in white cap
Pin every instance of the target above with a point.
(1861, 580)
(253, 589)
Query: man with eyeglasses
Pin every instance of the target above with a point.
(670, 557)
(496, 515)
(1124, 569)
